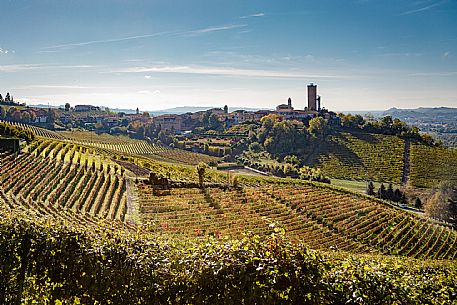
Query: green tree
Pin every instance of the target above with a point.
(201, 169)
(292, 159)
(418, 203)
(318, 127)
(280, 137)
(268, 122)
(25, 117)
(285, 137)
(370, 189)
(51, 116)
(382, 191)
(390, 192)
(214, 123)
(443, 203)
(255, 147)
(10, 112)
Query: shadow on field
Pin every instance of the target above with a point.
(328, 147)
(366, 137)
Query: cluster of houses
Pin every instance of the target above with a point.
(106, 120)
(91, 117)
(28, 115)
(184, 122)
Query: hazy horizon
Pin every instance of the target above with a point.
(364, 55)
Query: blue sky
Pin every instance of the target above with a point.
(363, 54)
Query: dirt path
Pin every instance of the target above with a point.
(406, 163)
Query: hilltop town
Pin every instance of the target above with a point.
(101, 119)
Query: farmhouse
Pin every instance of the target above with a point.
(82, 108)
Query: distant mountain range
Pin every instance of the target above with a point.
(45, 106)
(422, 113)
(185, 109)
(425, 115)
(175, 110)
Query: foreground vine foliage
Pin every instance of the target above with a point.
(47, 262)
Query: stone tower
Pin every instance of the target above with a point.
(312, 97)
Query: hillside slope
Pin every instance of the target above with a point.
(383, 158)
(359, 156)
(69, 178)
(121, 145)
(62, 175)
(324, 218)
(430, 165)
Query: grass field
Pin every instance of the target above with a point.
(358, 186)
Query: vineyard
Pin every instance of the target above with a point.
(80, 224)
(322, 218)
(45, 261)
(430, 165)
(65, 176)
(122, 145)
(125, 145)
(360, 156)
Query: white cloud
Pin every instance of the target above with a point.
(19, 67)
(149, 92)
(253, 15)
(421, 9)
(147, 76)
(226, 71)
(401, 54)
(446, 54)
(63, 86)
(144, 92)
(28, 67)
(446, 73)
(74, 66)
(58, 87)
(5, 51)
(210, 29)
(91, 42)
(216, 29)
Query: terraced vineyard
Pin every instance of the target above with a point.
(38, 131)
(122, 144)
(321, 217)
(58, 255)
(357, 155)
(64, 224)
(61, 175)
(430, 165)
(55, 214)
(125, 145)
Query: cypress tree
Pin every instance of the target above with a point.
(370, 189)
(382, 191)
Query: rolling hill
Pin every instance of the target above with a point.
(80, 223)
(383, 158)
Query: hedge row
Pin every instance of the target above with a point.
(50, 264)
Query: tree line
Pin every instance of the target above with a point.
(7, 129)
(387, 193)
(385, 125)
